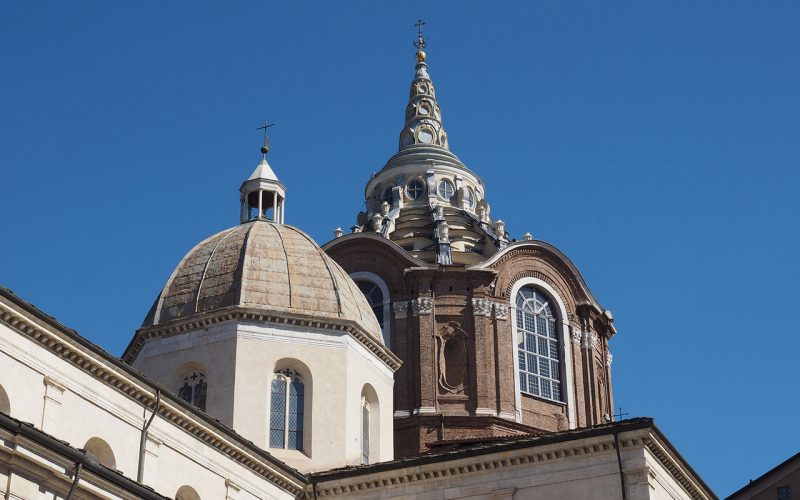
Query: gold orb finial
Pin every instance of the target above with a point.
(420, 43)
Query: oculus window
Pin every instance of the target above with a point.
(415, 189)
(446, 189)
(538, 347)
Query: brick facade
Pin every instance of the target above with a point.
(452, 328)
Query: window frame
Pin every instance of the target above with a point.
(567, 388)
(449, 183)
(387, 301)
(544, 369)
(287, 377)
(422, 185)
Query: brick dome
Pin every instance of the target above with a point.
(263, 266)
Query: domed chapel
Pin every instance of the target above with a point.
(426, 354)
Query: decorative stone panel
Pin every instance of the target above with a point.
(500, 311)
(590, 340)
(576, 336)
(482, 307)
(422, 305)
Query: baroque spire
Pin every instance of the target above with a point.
(423, 124)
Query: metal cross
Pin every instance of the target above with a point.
(619, 414)
(420, 43)
(264, 128)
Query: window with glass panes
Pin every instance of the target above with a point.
(538, 349)
(375, 298)
(287, 402)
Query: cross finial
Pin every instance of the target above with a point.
(420, 43)
(619, 414)
(265, 146)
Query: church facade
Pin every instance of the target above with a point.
(426, 354)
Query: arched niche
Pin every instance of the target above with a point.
(186, 493)
(5, 404)
(370, 425)
(98, 449)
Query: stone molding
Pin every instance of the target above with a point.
(422, 305)
(121, 381)
(500, 459)
(400, 310)
(609, 359)
(206, 320)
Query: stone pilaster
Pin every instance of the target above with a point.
(53, 393)
(485, 376)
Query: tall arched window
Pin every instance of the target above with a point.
(375, 298)
(365, 428)
(377, 294)
(538, 348)
(194, 389)
(287, 402)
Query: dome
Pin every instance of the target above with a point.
(263, 266)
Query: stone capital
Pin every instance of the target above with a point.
(400, 309)
(422, 305)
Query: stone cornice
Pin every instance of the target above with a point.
(599, 440)
(275, 318)
(90, 358)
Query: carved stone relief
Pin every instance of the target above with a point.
(451, 342)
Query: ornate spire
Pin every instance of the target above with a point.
(423, 116)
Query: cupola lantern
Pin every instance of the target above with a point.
(263, 196)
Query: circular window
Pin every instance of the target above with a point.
(415, 189)
(422, 88)
(469, 199)
(446, 189)
(425, 135)
(424, 108)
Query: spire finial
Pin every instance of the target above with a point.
(265, 145)
(420, 44)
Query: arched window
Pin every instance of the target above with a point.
(5, 404)
(287, 404)
(194, 388)
(538, 347)
(375, 298)
(377, 294)
(100, 451)
(365, 428)
(186, 493)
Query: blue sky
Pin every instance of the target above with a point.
(655, 143)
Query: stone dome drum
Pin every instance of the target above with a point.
(265, 267)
